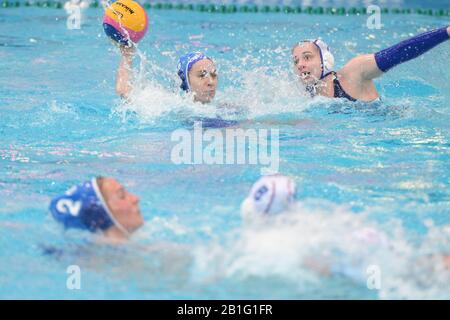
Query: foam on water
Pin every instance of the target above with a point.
(249, 97)
(317, 239)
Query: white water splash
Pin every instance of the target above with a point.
(310, 245)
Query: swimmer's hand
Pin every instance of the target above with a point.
(127, 51)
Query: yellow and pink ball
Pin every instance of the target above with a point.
(125, 20)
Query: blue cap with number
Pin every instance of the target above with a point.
(83, 207)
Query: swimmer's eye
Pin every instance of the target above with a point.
(205, 73)
(307, 57)
(296, 60)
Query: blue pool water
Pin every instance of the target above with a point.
(383, 166)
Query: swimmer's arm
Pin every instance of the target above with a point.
(366, 67)
(123, 86)
(361, 69)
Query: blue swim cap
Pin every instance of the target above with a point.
(185, 64)
(83, 207)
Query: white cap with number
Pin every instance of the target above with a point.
(269, 195)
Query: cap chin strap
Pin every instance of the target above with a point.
(312, 89)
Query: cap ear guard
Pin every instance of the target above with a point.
(184, 83)
(328, 62)
(326, 57)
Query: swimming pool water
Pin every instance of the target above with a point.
(382, 165)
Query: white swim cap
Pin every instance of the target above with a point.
(271, 194)
(326, 56)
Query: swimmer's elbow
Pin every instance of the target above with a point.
(122, 94)
(371, 69)
(122, 90)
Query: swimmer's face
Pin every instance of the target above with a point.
(124, 206)
(307, 63)
(203, 80)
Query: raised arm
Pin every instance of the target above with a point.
(123, 85)
(369, 66)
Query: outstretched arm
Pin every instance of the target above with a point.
(123, 86)
(369, 66)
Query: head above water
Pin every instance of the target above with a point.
(101, 204)
(198, 74)
(271, 194)
(312, 60)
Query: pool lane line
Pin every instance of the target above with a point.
(212, 8)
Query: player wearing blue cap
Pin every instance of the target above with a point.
(199, 78)
(197, 72)
(198, 75)
(98, 205)
(313, 63)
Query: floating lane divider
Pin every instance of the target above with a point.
(212, 8)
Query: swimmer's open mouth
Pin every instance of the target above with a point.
(305, 74)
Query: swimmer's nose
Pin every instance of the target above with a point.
(210, 82)
(135, 199)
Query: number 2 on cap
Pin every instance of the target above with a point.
(65, 205)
